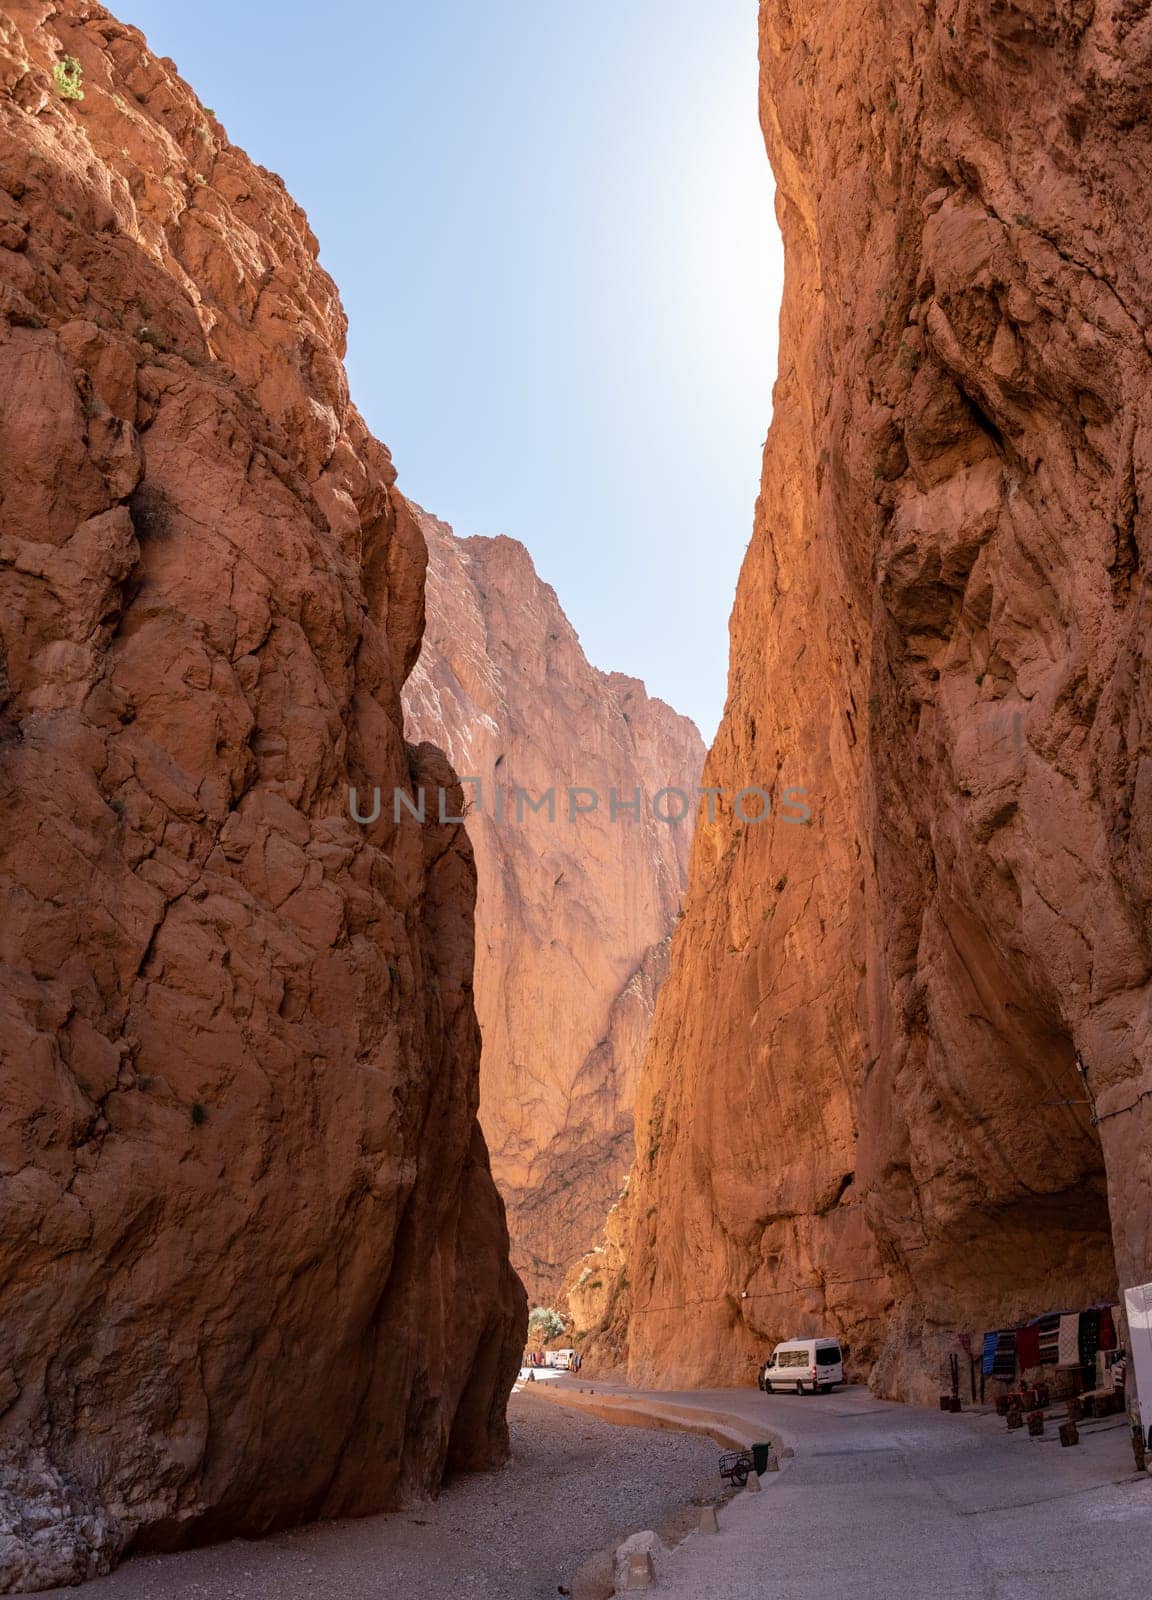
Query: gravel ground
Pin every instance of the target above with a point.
(573, 1486)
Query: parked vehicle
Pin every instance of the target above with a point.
(559, 1358)
(807, 1366)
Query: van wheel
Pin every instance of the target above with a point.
(800, 1389)
(767, 1387)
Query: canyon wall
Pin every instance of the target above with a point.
(899, 1087)
(573, 913)
(254, 1265)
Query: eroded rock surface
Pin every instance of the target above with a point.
(573, 914)
(254, 1265)
(871, 1103)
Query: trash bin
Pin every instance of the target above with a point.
(760, 1454)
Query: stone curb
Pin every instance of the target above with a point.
(726, 1430)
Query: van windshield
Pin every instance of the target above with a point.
(828, 1357)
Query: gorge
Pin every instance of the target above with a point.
(877, 1070)
(575, 908)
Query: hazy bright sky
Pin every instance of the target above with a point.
(552, 229)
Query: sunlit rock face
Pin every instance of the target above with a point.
(900, 1087)
(573, 913)
(254, 1268)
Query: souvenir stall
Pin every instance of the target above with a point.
(1074, 1354)
(1077, 1359)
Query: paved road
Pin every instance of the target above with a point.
(889, 1502)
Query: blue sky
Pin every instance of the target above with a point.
(552, 230)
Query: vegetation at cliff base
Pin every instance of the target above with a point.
(544, 1324)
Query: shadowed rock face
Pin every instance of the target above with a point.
(572, 917)
(254, 1265)
(868, 1107)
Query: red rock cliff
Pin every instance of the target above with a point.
(254, 1266)
(900, 1083)
(573, 916)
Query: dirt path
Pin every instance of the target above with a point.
(574, 1485)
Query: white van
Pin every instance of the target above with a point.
(808, 1366)
(559, 1358)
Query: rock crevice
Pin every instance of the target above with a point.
(575, 908)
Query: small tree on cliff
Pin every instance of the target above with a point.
(68, 75)
(544, 1324)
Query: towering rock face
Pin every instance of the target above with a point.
(574, 912)
(900, 1084)
(254, 1265)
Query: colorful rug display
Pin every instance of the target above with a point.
(988, 1360)
(1028, 1347)
(1058, 1338)
(1004, 1361)
(1048, 1328)
(1068, 1352)
(1089, 1337)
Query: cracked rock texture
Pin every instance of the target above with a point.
(573, 916)
(868, 1107)
(254, 1265)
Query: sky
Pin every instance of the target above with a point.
(552, 230)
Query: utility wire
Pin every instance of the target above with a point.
(769, 1294)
